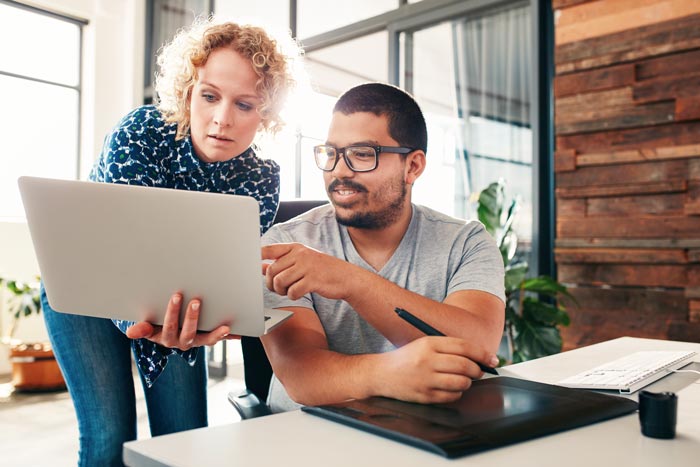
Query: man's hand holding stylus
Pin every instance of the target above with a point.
(429, 370)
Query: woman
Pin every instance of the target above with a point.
(219, 85)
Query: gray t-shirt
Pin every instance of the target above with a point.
(437, 256)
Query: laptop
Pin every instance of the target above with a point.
(121, 251)
(494, 412)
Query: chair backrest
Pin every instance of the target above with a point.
(256, 366)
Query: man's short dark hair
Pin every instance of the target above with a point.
(406, 122)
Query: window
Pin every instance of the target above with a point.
(472, 66)
(472, 76)
(40, 95)
(164, 18)
(319, 16)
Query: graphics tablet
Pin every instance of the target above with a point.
(121, 251)
(494, 412)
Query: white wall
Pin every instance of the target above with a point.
(272, 14)
(112, 79)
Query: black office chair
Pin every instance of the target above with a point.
(257, 371)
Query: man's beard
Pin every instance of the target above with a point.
(376, 220)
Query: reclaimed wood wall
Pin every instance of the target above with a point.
(627, 163)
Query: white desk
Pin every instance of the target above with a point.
(300, 439)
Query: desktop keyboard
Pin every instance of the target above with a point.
(630, 373)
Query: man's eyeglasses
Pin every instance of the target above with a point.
(358, 158)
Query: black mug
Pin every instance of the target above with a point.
(657, 414)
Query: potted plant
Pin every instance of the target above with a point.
(34, 367)
(534, 308)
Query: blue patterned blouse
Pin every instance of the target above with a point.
(141, 150)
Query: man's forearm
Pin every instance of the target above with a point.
(427, 370)
(320, 376)
(478, 318)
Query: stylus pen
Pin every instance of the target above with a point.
(431, 331)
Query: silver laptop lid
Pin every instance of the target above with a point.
(119, 251)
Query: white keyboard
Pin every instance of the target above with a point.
(630, 373)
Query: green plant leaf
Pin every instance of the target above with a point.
(13, 287)
(537, 340)
(512, 314)
(544, 313)
(24, 300)
(532, 329)
(546, 285)
(515, 275)
(519, 357)
(508, 246)
(506, 224)
(490, 206)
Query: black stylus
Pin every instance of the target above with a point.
(431, 331)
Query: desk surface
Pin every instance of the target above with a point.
(299, 439)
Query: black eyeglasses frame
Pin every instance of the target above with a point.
(377, 151)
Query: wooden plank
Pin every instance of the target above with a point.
(692, 208)
(575, 208)
(670, 186)
(627, 56)
(684, 331)
(594, 80)
(627, 242)
(692, 200)
(591, 101)
(646, 302)
(565, 161)
(676, 227)
(668, 135)
(648, 41)
(559, 4)
(646, 172)
(638, 155)
(672, 64)
(693, 276)
(620, 255)
(613, 157)
(672, 152)
(609, 313)
(596, 19)
(662, 89)
(692, 292)
(578, 335)
(694, 169)
(622, 117)
(638, 275)
(687, 108)
(665, 32)
(694, 311)
(644, 205)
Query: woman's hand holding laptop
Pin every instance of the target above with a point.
(170, 334)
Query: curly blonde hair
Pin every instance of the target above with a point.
(272, 61)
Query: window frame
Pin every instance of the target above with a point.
(78, 87)
(406, 19)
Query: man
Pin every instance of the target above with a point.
(343, 269)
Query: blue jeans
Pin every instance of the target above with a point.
(95, 358)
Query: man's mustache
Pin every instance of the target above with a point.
(349, 184)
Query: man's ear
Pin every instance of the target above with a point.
(415, 165)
